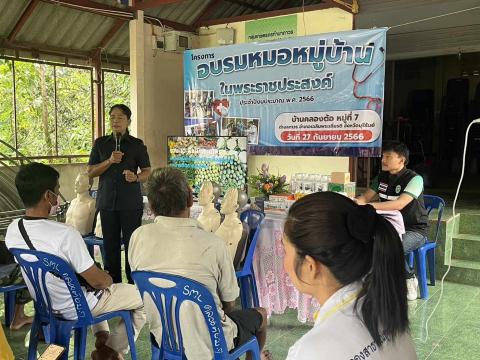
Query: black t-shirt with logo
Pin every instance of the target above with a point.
(390, 187)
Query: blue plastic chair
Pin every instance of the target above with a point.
(246, 276)
(91, 241)
(9, 296)
(35, 266)
(168, 301)
(426, 254)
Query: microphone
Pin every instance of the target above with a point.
(118, 137)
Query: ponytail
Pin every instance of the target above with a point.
(356, 244)
(385, 309)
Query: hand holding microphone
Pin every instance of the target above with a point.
(116, 157)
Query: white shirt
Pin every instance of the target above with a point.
(63, 241)
(179, 246)
(339, 334)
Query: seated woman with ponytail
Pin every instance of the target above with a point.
(351, 260)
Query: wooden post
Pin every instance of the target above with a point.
(98, 93)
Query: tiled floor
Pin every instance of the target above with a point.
(454, 329)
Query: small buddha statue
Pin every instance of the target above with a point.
(231, 228)
(209, 218)
(81, 212)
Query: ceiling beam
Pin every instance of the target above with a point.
(257, 16)
(59, 51)
(248, 5)
(111, 33)
(90, 4)
(350, 6)
(209, 9)
(94, 7)
(22, 20)
(150, 4)
(172, 24)
(126, 13)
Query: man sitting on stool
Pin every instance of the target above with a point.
(401, 189)
(38, 187)
(176, 244)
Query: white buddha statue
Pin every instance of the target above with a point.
(209, 218)
(231, 229)
(81, 212)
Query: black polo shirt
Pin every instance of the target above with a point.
(390, 187)
(114, 192)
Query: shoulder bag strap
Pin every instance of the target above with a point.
(21, 227)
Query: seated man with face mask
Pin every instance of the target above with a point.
(38, 187)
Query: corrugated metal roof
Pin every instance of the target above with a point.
(410, 38)
(392, 13)
(184, 12)
(55, 26)
(59, 26)
(52, 26)
(120, 44)
(436, 42)
(187, 12)
(10, 12)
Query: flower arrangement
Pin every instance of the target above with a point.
(268, 184)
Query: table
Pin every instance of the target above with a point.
(275, 290)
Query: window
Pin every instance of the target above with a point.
(74, 111)
(35, 108)
(7, 121)
(46, 109)
(116, 90)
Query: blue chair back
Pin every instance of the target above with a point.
(253, 218)
(168, 301)
(93, 193)
(36, 265)
(435, 203)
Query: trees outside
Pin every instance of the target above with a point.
(74, 111)
(35, 108)
(7, 124)
(116, 91)
(54, 113)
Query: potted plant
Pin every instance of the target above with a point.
(266, 183)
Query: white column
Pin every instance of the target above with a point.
(137, 75)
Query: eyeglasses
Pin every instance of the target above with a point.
(52, 192)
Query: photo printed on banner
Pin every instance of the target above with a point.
(249, 127)
(198, 104)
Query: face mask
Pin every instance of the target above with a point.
(53, 210)
(53, 207)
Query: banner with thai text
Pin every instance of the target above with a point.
(312, 95)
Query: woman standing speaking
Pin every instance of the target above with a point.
(122, 163)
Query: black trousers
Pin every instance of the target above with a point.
(118, 225)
